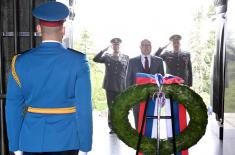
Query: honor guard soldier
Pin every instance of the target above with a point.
(48, 106)
(116, 65)
(177, 62)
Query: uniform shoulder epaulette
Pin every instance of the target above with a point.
(73, 50)
(185, 53)
(167, 52)
(126, 56)
(25, 51)
(108, 54)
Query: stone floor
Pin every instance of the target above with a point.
(108, 144)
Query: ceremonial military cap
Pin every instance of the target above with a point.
(51, 13)
(175, 37)
(116, 41)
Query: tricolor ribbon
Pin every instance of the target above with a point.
(160, 101)
(170, 79)
(152, 127)
(159, 80)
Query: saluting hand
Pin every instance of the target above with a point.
(104, 50)
(166, 45)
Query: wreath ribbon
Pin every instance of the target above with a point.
(137, 93)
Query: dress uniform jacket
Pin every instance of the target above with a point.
(115, 71)
(51, 76)
(178, 65)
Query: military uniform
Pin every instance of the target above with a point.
(48, 103)
(115, 74)
(177, 63)
(115, 71)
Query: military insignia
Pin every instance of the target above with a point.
(124, 60)
(170, 59)
(116, 41)
(175, 37)
(185, 59)
(73, 50)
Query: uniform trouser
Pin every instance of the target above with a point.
(136, 110)
(111, 95)
(70, 152)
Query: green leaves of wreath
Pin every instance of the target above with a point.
(134, 95)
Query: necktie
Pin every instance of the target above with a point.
(146, 65)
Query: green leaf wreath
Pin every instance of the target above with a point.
(134, 95)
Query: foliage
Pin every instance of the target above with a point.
(201, 53)
(86, 45)
(229, 98)
(98, 93)
(202, 47)
(134, 95)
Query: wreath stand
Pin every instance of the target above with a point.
(135, 94)
(155, 117)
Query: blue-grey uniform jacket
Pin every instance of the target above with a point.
(51, 76)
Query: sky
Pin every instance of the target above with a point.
(135, 20)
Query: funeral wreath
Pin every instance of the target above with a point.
(193, 103)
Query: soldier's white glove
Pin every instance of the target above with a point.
(82, 153)
(18, 152)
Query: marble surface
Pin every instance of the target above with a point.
(109, 144)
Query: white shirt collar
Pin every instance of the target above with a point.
(53, 41)
(143, 59)
(143, 56)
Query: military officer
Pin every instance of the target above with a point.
(115, 72)
(48, 105)
(178, 62)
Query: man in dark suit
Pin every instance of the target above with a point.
(145, 63)
(178, 62)
(115, 72)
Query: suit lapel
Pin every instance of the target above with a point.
(140, 65)
(153, 66)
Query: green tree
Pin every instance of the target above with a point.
(86, 45)
(202, 50)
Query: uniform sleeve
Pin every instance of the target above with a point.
(190, 76)
(129, 77)
(126, 72)
(164, 55)
(99, 57)
(14, 112)
(84, 107)
(158, 52)
(161, 67)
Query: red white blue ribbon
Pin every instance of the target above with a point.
(151, 125)
(160, 102)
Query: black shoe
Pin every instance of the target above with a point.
(111, 132)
